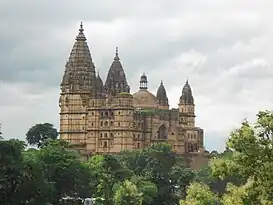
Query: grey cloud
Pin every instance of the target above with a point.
(214, 44)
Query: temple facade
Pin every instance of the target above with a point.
(104, 117)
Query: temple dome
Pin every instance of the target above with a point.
(144, 99)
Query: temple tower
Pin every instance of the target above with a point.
(193, 137)
(186, 106)
(77, 87)
(163, 102)
(116, 81)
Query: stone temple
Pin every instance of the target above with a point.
(104, 117)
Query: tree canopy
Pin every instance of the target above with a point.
(242, 174)
(38, 134)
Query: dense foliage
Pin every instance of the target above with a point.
(240, 175)
(248, 164)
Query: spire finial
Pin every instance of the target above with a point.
(187, 81)
(81, 36)
(116, 51)
(161, 82)
(116, 57)
(81, 27)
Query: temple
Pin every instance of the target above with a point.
(104, 117)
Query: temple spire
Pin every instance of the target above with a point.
(116, 79)
(80, 75)
(186, 97)
(162, 96)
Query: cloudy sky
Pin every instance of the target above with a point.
(223, 47)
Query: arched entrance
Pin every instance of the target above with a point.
(162, 132)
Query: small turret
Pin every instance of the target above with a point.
(116, 79)
(162, 98)
(143, 83)
(186, 106)
(186, 97)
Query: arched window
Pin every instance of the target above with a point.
(101, 123)
(111, 135)
(105, 123)
(105, 135)
(138, 145)
(111, 123)
(105, 144)
(162, 132)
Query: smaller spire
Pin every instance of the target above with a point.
(116, 57)
(161, 95)
(186, 97)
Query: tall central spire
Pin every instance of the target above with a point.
(79, 76)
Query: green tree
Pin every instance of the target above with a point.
(106, 172)
(64, 171)
(252, 158)
(21, 175)
(236, 195)
(147, 188)
(34, 188)
(127, 193)
(199, 194)
(160, 166)
(40, 133)
(11, 170)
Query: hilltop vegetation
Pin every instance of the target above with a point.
(153, 176)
